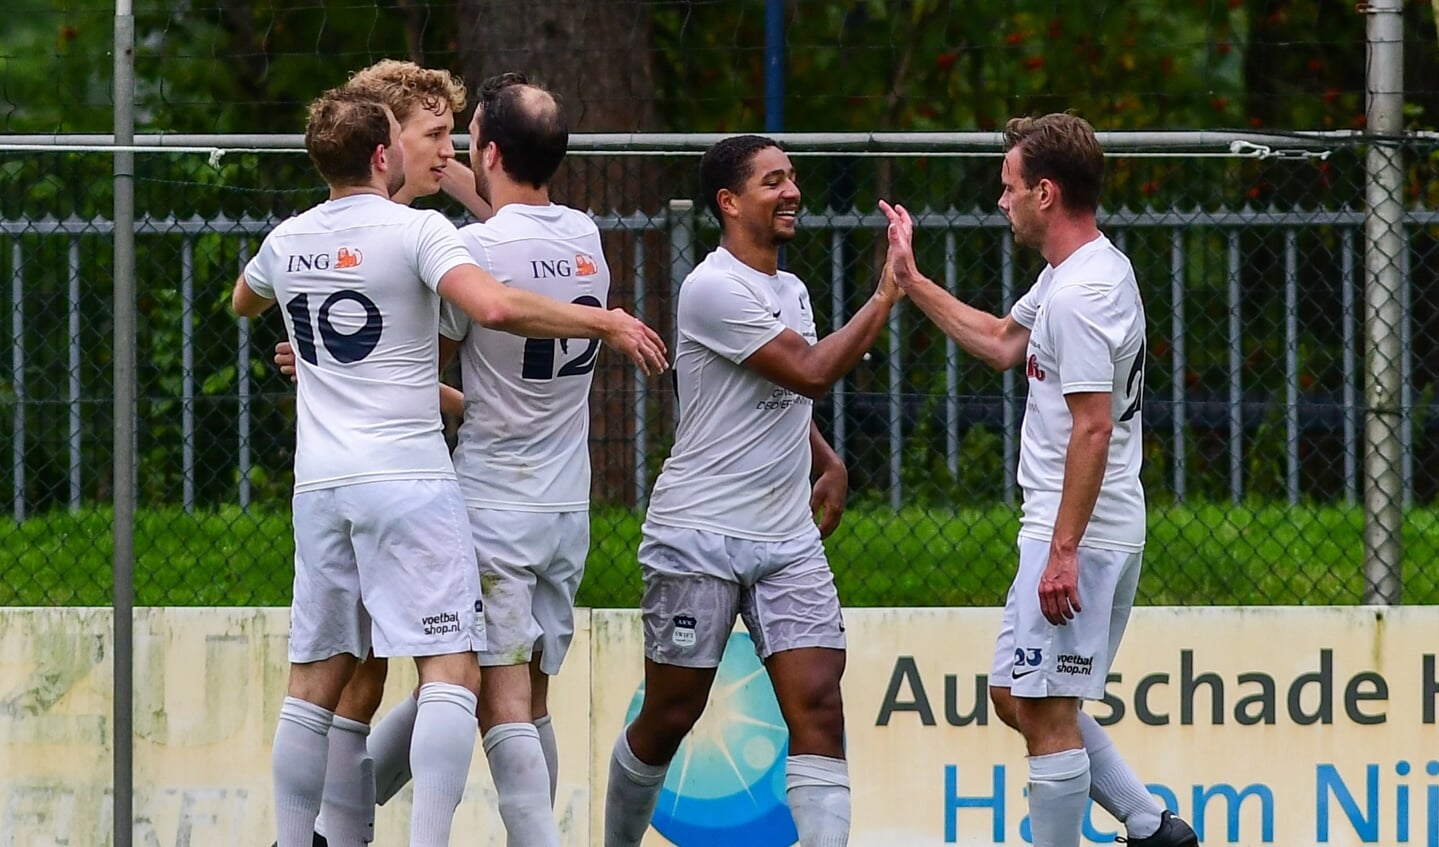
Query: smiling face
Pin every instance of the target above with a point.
(767, 204)
(425, 137)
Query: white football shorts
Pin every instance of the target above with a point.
(387, 564)
(697, 582)
(1034, 658)
(531, 564)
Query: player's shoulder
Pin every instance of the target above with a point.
(717, 270)
(788, 280)
(1099, 264)
(517, 222)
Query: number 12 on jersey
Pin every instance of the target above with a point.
(538, 362)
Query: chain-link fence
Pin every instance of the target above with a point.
(1252, 258)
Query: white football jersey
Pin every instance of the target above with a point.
(1086, 323)
(524, 443)
(356, 280)
(741, 459)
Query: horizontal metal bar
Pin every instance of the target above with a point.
(581, 142)
(1122, 218)
(241, 226)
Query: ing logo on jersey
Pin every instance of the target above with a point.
(349, 257)
(726, 785)
(585, 265)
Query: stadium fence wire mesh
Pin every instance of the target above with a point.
(1250, 252)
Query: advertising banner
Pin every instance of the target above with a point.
(1291, 726)
(208, 688)
(1288, 726)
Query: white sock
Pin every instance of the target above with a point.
(1058, 796)
(298, 763)
(517, 764)
(390, 747)
(818, 791)
(546, 728)
(440, 756)
(347, 815)
(1114, 785)
(630, 801)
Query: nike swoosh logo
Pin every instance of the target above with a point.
(1021, 674)
(776, 314)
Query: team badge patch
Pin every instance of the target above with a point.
(684, 631)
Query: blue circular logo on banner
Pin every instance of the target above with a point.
(726, 783)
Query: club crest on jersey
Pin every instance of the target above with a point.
(349, 257)
(1032, 370)
(684, 631)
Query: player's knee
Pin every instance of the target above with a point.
(1049, 724)
(539, 694)
(668, 722)
(366, 689)
(455, 669)
(815, 715)
(1003, 701)
(321, 683)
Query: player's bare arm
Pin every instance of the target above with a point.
(458, 181)
(998, 342)
(452, 400)
(1085, 460)
(831, 483)
(498, 306)
(245, 302)
(790, 361)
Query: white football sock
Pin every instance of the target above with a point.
(347, 815)
(298, 765)
(633, 792)
(1058, 797)
(818, 791)
(390, 746)
(517, 764)
(440, 756)
(546, 728)
(1114, 785)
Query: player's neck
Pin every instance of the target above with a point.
(762, 257)
(1066, 235)
(339, 191)
(508, 193)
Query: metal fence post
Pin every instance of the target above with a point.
(641, 386)
(682, 261)
(125, 427)
(17, 374)
(1384, 231)
(1179, 363)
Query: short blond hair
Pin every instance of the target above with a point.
(406, 87)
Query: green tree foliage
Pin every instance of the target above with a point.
(863, 65)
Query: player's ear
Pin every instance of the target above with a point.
(1048, 193)
(728, 202)
(491, 155)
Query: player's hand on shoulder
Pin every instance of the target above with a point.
(285, 359)
(899, 262)
(641, 344)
